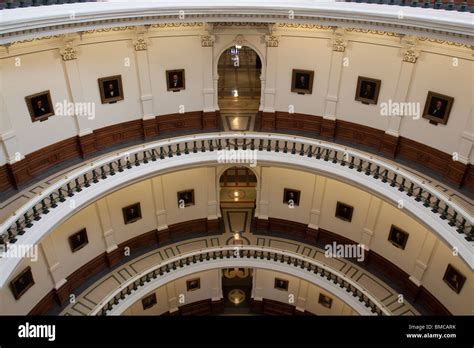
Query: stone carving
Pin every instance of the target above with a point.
(68, 53)
(207, 40)
(272, 40)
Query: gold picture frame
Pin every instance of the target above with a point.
(40, 106)
(302, 81)
(111, 89)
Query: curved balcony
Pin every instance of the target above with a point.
(240, 256)
(33, 221)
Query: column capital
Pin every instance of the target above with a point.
(207, 40)
(68, 52)
(272, 40)
(410, 52)
(339, 42)
(140, 43)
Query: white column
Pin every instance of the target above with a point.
(8, 139)
(407, 67)
(208, 83)
(172, 297)
(319, 191)
(212, 200)
(423, 259)
(256, 288)
(159, 202)
(337, 56)
(54, 266)
(140, 45)
(216, 286)
(264, 193)
(271, 73)
(69, 54)
(465, 147)
(371, 218)
(102, 208)
(302, 295)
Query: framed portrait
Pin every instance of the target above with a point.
(281, 284)
(325, 301)
(367, 90)
(193, 284)
(149, 301)
(111, 90)
(22, 282)
(291, 197)
(40, 106)
(437, 108)
(398, 237)
(132, 213)
(78, 240)
(302, 81)
(344, 211)
(185, 198)
(454, 279)
(175, 80)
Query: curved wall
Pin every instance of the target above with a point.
(107, 52)
(424, 259)
(301, 290)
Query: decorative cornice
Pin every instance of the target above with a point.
(272, 40)
(304, 26)
(373, 32)
(177, 25)
(207, 40)
(111, 29)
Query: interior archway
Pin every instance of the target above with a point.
(239, 87)
(237, 197)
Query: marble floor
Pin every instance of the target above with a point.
(236, 220)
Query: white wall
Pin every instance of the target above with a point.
(105, 54)
(304, 53)
(108, 59)
(37, 72)
(170, 53)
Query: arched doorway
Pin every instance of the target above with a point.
(237, 197)
(239, 87)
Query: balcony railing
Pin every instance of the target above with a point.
(87, 177)
(211, 255)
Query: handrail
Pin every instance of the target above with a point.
(239, 252)
(88, 175)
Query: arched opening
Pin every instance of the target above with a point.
(239, 87)
(237, 197)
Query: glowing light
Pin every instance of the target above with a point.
(235, 93)
(236, 236)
